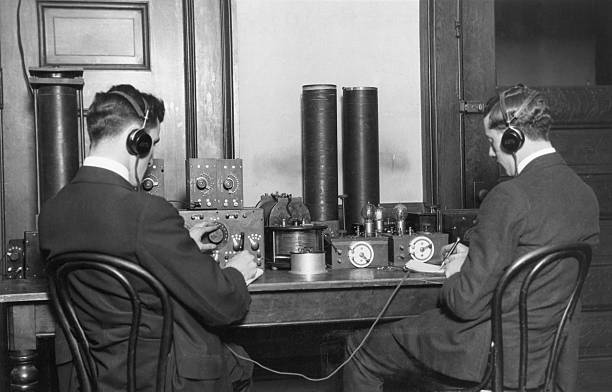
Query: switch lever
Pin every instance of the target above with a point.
(238, 242)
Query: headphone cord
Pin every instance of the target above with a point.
(136, 174)
(516, 173)
(337, 369)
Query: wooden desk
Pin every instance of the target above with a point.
(278, 298)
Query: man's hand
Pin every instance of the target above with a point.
(245, 263)
(454, 261)
(197, 231)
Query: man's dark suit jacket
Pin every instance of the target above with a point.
(99, 211)
(546, 204)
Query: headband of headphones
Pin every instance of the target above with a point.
(135, 106)
(138, 142)
(526, 102)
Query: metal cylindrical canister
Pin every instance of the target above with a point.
(308, 263)
(360, 166)
(320, 151)
(58, 133)
(298, 239)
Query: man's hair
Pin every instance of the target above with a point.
(534, 119)
(109, 114)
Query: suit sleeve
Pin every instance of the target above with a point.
(467, 294)
(216, 296)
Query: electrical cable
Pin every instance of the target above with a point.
(20, 45)
(136, 174)
(367, 335)
(181, 202)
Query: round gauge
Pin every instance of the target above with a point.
(421, 248)
(360, 254)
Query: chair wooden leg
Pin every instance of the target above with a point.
(24, 374)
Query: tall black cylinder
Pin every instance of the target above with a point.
(57, 126)
(320, 151)
(360, 165)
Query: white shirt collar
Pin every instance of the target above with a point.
(108, 164)
(531, 157)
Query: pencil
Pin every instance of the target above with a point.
(450, 252)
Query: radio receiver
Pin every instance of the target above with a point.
(238, 229)
(214, 183)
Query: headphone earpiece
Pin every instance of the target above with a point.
(138, 142)
(512, 140)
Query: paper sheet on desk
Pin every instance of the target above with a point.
(258, 273)
(419, 266)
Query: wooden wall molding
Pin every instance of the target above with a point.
(583, 106)
(94, 35)
(191, 118)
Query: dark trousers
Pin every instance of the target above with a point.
(381, 360)
(384, 360)
(237, 371)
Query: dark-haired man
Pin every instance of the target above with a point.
(102, 210)
(544, 203)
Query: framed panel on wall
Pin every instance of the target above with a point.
(94, 35)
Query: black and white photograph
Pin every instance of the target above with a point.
(305, 195)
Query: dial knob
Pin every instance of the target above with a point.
(228, 184)
(201, 183)
(14, 253)
(148, 184)
(218, 236)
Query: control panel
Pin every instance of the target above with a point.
(202, 183)
(420, 246)
(153, 179)
(237, 230)
(359, 252)
(229, 180)
(23, 259)
(214, 183)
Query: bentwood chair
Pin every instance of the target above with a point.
(60, 269)
(526, 269)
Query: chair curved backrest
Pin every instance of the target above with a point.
(60, 267)
(532, 264)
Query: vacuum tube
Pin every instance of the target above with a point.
(400, 212)
(368, 213)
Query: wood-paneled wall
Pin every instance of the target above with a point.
(164, 78)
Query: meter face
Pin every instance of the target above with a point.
(421, 249)
(360, 254)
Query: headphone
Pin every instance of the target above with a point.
(138, 142)
(513, 138)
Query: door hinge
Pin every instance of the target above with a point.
(458, 28)
(471, 107)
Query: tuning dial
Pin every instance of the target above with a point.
(14, 253)
(228, 183)
(201, 183)
(148, 184)
(218, 236)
